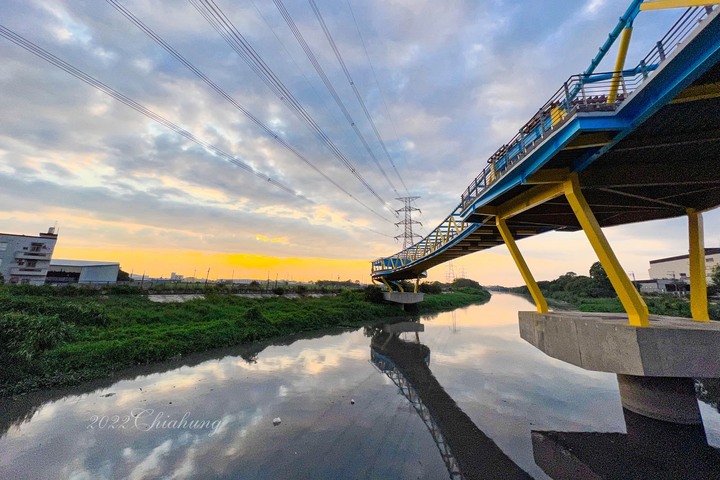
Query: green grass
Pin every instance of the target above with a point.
(49, 340)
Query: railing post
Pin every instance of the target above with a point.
(643, 69)
(661, 50)
(567, 98)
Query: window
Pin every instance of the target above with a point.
(710, 260)
(31, 263)
(36, 247)
(3, 246)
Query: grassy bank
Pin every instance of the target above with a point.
(658, 304)
(51, 340)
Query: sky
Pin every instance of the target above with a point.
(445, 84)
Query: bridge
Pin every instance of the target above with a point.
(632, 145)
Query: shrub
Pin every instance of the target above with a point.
(373, 294)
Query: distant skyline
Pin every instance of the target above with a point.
(449, 83)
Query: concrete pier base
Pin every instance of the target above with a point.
(670, 399)
(606, 342)
(404, 298)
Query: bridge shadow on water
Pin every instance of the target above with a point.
(651, 449)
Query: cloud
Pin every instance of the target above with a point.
(449, 84)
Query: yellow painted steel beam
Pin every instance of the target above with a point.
(386, 284)
(698, 282)
(630, 298)
(663, 4)
(589, 140)
(529, 199)
(540, 302)
(698, 92)
(417, 284)
(551, 175)
(486, 210)
(619, 64)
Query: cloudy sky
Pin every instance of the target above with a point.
(445, 83)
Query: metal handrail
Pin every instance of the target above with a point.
(580, 93)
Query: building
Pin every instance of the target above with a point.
(25, 259)
(678, 268)
(82, 271)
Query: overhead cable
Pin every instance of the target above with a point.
(340, 60)
(321, 73)
(50, 58)
(222, 24)
(160, 41)
(382, 96)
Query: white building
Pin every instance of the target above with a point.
(82, 271)
(679, 267)
(25, 259)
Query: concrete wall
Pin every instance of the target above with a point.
(24, 258)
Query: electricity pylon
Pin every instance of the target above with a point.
(408, 236)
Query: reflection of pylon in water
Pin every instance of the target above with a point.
(450, 275)
(454, 323)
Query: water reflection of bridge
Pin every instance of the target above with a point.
(650, 448)
(467, 452)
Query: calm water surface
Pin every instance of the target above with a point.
(346, 410)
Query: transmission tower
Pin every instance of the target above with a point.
(408, 237)
(450, 275)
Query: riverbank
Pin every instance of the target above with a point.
(658, 304)
(49, 341)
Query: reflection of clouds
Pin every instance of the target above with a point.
(506, 387)
(149, 467)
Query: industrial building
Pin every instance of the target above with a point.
(25, 259)
(82, 271)
(678, 268)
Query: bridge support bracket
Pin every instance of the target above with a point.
(540, 302)
(698, 282)
(635, 306)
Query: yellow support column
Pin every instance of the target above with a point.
(698, 282)
(386, 284)
(630, 298)
(417, 284)
(540, 302)
(619, 64)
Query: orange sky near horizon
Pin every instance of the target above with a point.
(161, 263)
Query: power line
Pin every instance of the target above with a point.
(382, 96)
(79, 74)
(215, 16)
(329, 37)
(321, 73)
(160, 41)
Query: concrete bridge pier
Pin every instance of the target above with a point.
(655, 365)
(403, 298)
(670, 399)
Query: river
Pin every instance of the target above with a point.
(471, 394)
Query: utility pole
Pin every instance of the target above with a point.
(408, 236)
(207, 276)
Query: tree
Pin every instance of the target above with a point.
(466, 282)
(123, 276)
(715, 276)
(602, 282)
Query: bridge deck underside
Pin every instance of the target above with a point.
(666, 165)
